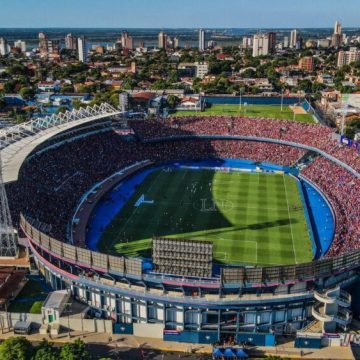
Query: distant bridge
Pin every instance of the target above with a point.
(18, 141)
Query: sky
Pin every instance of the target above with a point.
(178, 13)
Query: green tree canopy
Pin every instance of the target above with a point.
(74, 351)
(46, 351)
(16, 348)
(27, 93)
(61, 109)
(173, 101)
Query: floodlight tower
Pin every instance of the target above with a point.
(8, 235)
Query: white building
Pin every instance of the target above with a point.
(286, 42)
(4, 48)
(337, 28)
(70, 42)
(201, 40)
(293, 38)
(82, 50)
(162, 40)
(20, 45)
(348, 57)
(202, 68)
(260, 45)
(247, 42)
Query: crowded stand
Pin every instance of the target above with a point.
(343, 191)
(307, 134)
(52, 182)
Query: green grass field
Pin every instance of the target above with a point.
(251, 218)
(267, 111)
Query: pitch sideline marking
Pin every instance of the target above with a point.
(292, 235)
(124, 227)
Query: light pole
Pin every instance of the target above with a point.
(344, 108)
(240, 101)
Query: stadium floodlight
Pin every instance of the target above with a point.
(8, 235)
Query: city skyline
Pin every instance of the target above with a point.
(204, 14)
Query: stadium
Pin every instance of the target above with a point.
(192, 229)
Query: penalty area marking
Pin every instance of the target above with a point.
(244, 241)
(224, 255)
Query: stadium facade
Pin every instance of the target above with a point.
(247, 303)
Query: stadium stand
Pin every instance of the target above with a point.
(59, 176)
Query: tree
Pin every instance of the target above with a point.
(173, 101)
(27, 93)
(352, 128)
(74, 351)
(77, 104)
(20, 118)
(16, 348)
(61, 109)
(67, 88)
(45, 351)
(2, 104)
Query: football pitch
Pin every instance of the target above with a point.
(265, 111)
(251, 218)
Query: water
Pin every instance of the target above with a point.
(187, 37)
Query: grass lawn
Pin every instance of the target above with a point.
(30, 299)
(251, 218)
(267, 111)
(32, 307)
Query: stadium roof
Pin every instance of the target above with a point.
(19, 141)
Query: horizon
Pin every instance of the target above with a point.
(208, 14)
(174, 28)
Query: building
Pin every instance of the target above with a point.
(306, 63)
(247, 42)
(260, 45)
(293, 38)
(49, 49)
(186, 70)
(337, 28)
(323, 43)
(176, 43)
(347, 57)
(286, 42)
(48, 86)
(54, 305)
(82, 49)
(201, 40)
(336, 39)
(126, 41)
(43, 45)
(162, 40)
(211, 44)
(272, 40)
(99, 49)
(4, 48)
(21, 45)
(70, 42)
(53, 47)
(202, 69)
